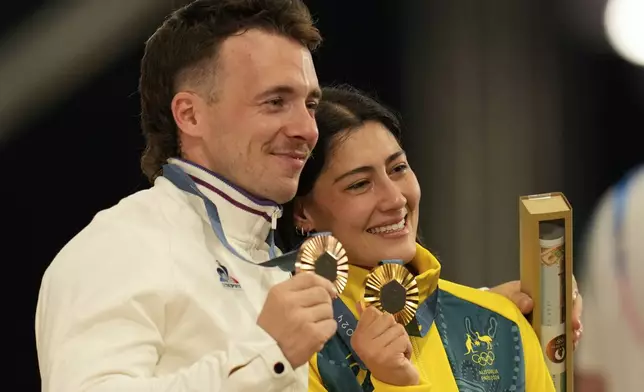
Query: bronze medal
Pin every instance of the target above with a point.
(324, 255)
(393, 289)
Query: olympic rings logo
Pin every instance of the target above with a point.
(486, 358)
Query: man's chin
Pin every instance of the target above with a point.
(283, 191)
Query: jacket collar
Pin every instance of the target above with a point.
(246, 219)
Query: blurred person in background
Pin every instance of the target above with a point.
(612, 359)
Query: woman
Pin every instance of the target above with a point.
(359, 186)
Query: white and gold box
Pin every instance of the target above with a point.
(545, 226)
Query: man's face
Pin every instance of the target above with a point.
(260, 128)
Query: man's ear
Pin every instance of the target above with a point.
(302, 216)
(187, 110)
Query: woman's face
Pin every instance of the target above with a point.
(367, 196)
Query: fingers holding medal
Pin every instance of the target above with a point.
(381, 340)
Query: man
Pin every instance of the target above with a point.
(148, 297)
(162, 291)
(614, 359)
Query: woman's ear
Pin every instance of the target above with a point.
(302, 216)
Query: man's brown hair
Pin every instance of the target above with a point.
(183, 50)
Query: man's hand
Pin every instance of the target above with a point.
(512, 291)
(298, 314)
(384, 347)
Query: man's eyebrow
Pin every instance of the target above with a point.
(283, 89)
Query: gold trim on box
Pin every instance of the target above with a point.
(384, 274)
(316, 246)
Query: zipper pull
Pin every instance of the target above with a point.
(274, 219)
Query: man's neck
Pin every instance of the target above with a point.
(257, 199)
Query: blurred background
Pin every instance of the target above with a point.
(499, 99)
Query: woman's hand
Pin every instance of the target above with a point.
(384, 347)
(512, 291)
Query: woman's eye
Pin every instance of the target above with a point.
(401, 168)
(358, 185)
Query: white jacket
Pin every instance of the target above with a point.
(146, 298)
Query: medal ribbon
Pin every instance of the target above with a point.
(183, 181)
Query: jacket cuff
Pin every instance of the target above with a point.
(259, 357)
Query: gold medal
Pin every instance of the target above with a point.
(324, 255)
(393, 289)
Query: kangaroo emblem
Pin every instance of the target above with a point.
(469, 343)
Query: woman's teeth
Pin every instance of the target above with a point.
(388, 229)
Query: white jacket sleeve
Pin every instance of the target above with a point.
(101, 320)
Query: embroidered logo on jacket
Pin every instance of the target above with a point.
(480, 346)
(484, 348)
(225, 279)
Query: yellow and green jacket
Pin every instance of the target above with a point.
(477, 341)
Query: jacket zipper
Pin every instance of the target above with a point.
(274, 219)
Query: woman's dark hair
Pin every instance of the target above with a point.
(342, 110)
